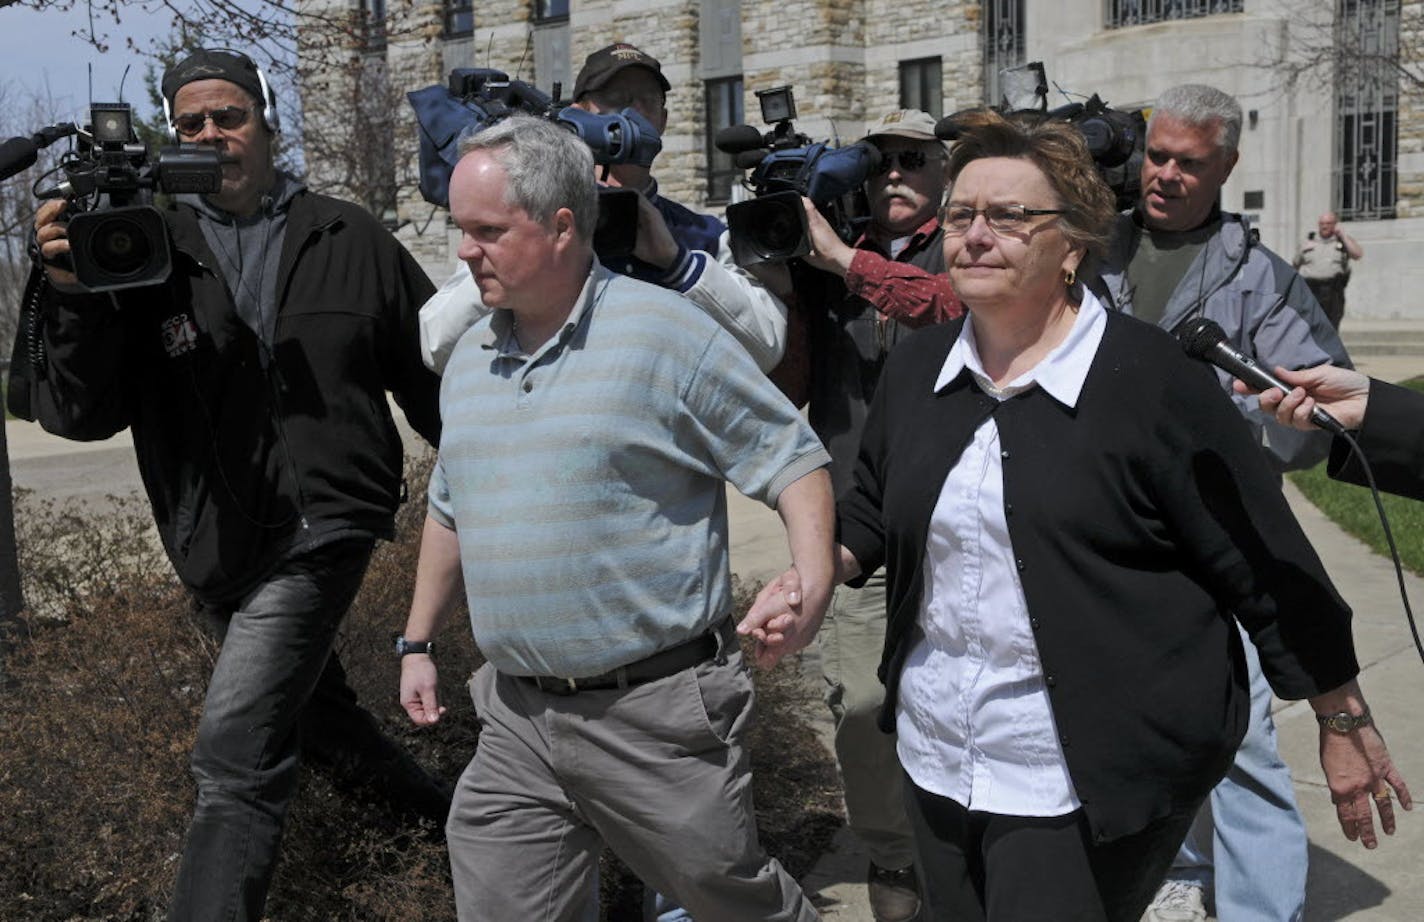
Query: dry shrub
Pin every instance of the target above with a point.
(104, 688)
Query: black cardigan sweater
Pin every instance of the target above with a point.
(1140, 520)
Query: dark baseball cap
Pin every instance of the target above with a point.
(601, 66)
(213, 65)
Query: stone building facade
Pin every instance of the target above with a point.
(1333, 137)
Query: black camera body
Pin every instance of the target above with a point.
(787, 165)
(476, 97)
(116, 239)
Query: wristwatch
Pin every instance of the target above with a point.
(404, 646)
(1344, 721)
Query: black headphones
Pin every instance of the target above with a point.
(271, 120)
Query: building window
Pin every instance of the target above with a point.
(724, 108)
(1366, 103)
(1137, 12)
(1003, 43)
(459, 18)
(547, 10)
(373, 24)
(921, 86)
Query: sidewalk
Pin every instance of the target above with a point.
(1346, 882)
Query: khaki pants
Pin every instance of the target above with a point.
(851, 642)
(657, 772)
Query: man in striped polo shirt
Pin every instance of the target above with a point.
(591, 423)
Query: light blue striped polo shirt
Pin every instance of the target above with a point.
(586, 481)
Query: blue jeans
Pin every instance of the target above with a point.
(276, 649)
(1248, 843)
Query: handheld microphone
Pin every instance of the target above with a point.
(1205, 339)
(737, 138)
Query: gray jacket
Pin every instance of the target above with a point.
(1263, 305)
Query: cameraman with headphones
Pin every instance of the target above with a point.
(676, 247)
(254, 382)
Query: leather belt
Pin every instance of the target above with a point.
(660, 665)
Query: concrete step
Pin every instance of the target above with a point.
(1376, 347)
(1383, 337)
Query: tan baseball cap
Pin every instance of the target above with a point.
(905, 123)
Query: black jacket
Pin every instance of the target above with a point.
(1139, 520)
(1392, 438)
(245, 462)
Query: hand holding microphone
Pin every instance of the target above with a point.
(1325, 397)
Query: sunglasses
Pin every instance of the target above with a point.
(190, 124)
(910, 161)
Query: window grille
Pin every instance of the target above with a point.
(1003, 43)
(1122, 13)
(1366, 104)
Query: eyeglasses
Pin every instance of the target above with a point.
(190, 124)
(910, 161)
(1002, 219)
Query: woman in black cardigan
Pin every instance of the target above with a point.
(1070, 512)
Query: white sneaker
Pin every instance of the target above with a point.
(1176, 901)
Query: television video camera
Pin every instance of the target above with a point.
(476, 97)
(785, 165)
(116, 239)
(1116, 138)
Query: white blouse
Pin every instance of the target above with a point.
(974, 721)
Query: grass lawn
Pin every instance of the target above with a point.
(1351, 508)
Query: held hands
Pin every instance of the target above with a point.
(782, 620)
(418, 690)
(1359, 772)
(1341, 392)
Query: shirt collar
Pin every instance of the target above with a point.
(1061, 373)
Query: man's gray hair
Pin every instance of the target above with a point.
(548, 167)
(1199, 104)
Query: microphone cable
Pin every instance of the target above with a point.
(1359, 455)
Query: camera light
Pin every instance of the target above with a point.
(777, 104)
(111, 122)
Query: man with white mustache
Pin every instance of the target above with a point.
(893, 281)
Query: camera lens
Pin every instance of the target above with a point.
(780, 230)
(121, 247)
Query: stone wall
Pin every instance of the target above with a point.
(1410, 178)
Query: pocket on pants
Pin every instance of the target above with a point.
(717, 701)
(480, 687)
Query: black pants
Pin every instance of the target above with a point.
(1331, 295)
(987, 867)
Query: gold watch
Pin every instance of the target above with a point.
(1344, 721)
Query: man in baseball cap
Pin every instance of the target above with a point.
(872, 291)
(271, 463)
(676, 247)
(604, 64)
